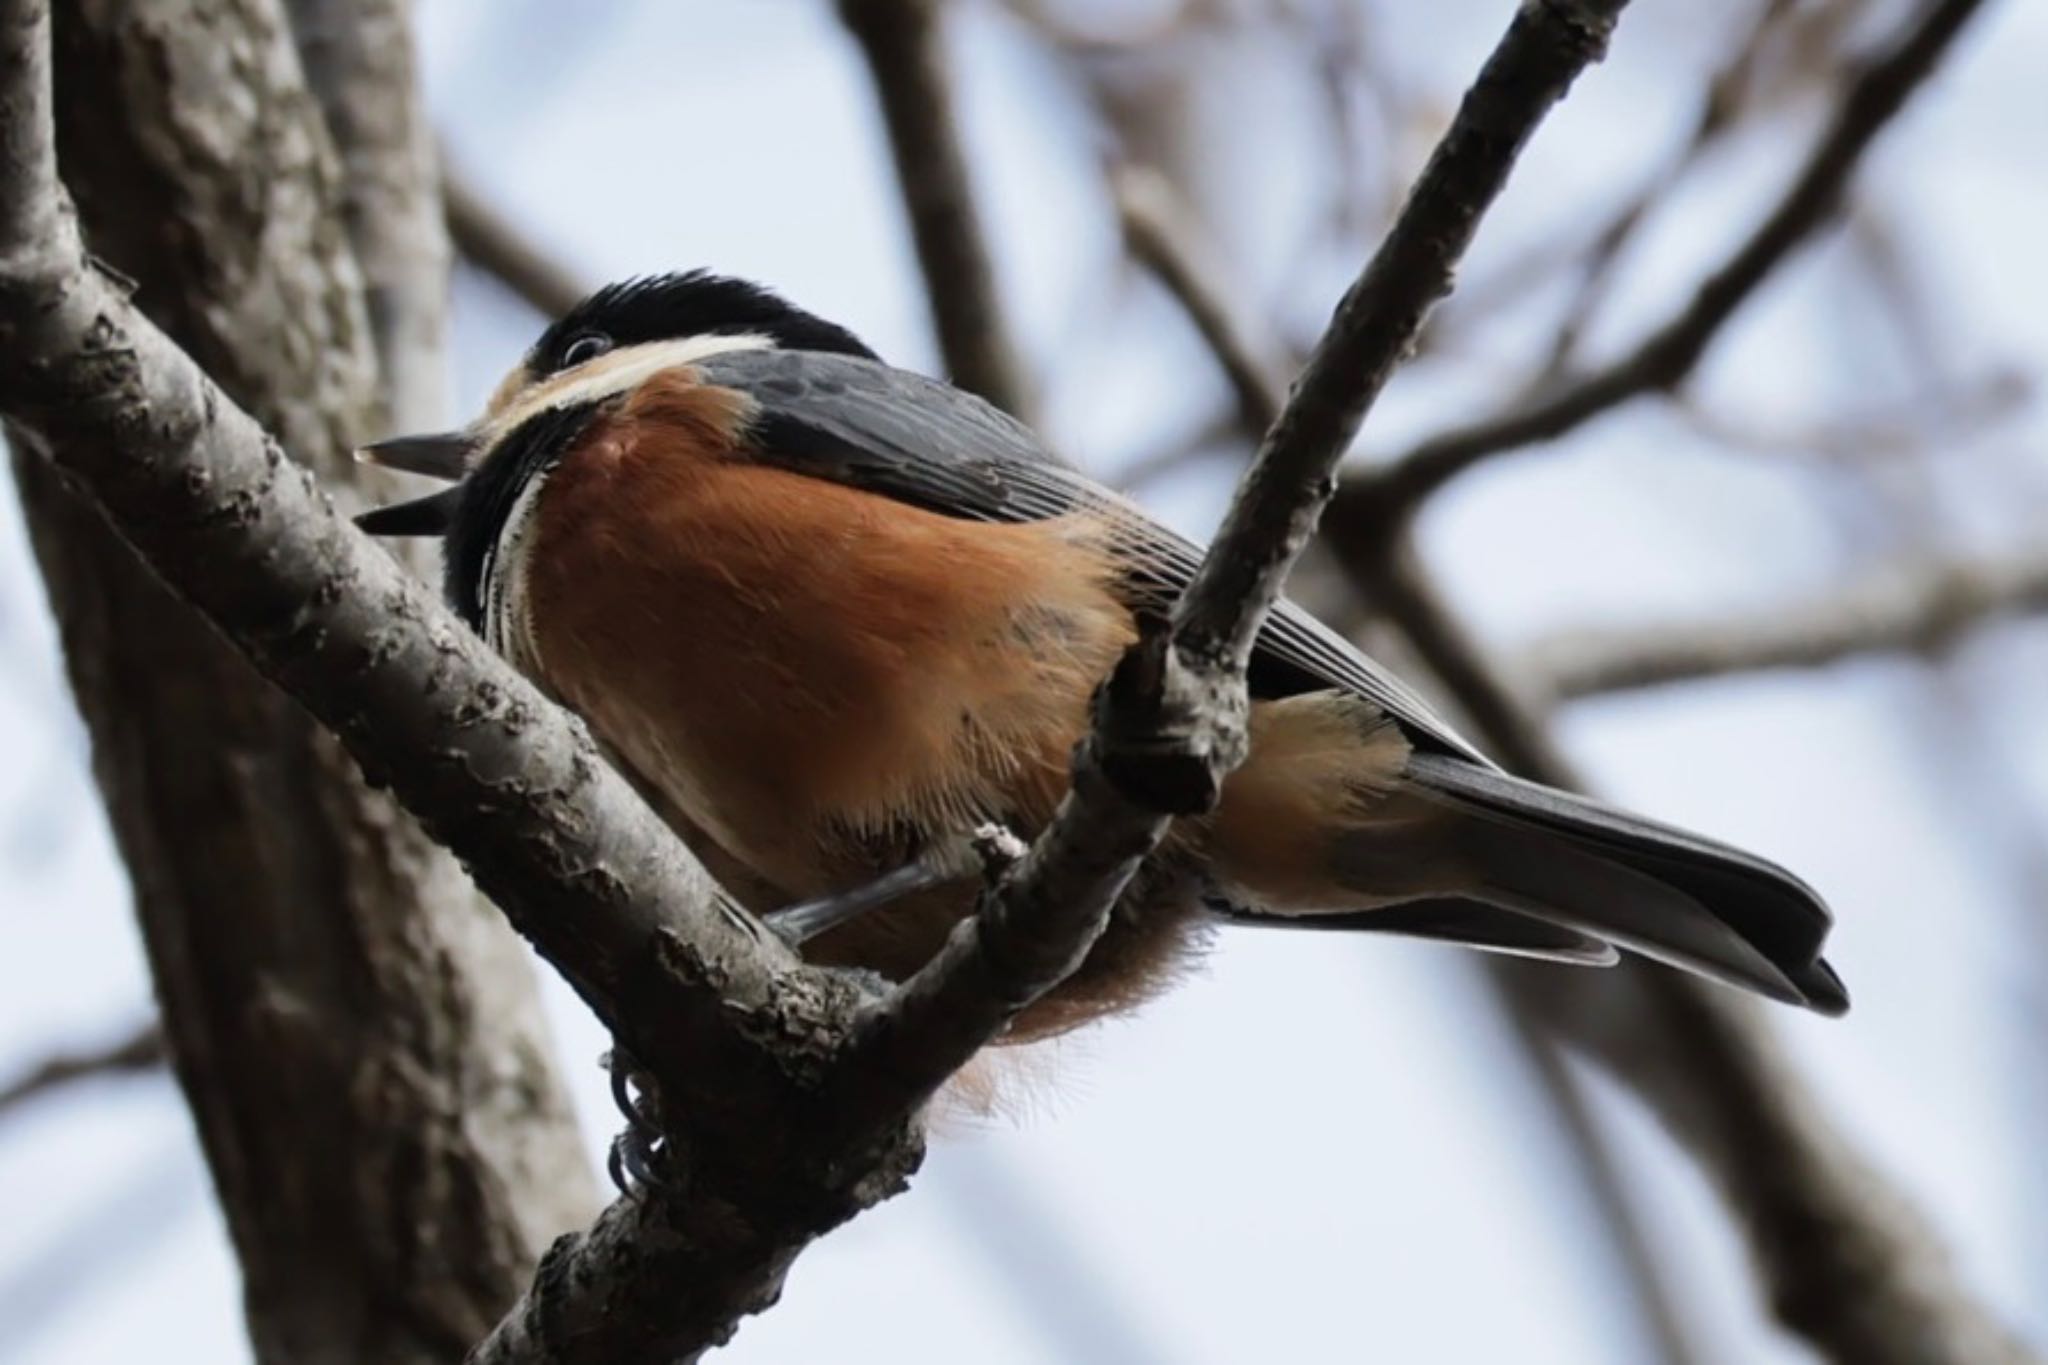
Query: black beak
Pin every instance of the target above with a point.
(443, 455)
(428, 516)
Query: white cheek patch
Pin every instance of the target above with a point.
(616, 372)
(506, 613)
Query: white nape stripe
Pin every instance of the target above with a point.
(615, 372)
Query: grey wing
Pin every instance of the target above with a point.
(917, 440)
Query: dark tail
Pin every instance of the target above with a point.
(1656, 890)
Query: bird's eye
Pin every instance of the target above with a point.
(588, 346)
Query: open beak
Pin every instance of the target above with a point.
(444, 455)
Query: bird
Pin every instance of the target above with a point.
(830, 617)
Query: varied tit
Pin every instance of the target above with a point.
(831, 616)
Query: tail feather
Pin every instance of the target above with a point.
(1469, 923)
(1659, 891)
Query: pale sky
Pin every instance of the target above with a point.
(1321, 1150)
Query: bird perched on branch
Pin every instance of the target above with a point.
(831, 616)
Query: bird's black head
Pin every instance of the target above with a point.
(605, 346)
(674, 307)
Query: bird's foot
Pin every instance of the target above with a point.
(639, 1154)
(948, 860)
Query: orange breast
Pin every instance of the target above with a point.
(804, 669)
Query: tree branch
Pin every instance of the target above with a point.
(782, 1121)
(1157, 231)
(358, 1038)
(553, 834)
(903, 45)
(1670, 353)
(1170, 725)
(1845, 1261)
(141, 1050)
(491, 243)
(1170, 254)
(1901, 609)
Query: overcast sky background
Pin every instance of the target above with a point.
(1321, 1150)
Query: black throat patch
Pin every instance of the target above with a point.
(489, 494)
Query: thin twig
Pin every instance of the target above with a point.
(1160, 231)
(1669, 354)
(1719, 108)
(1912, 423)
(1170, 724)
(142, 1050)
(1226, 322)
(1846, 1263)
(1912, 609)
(902, 41)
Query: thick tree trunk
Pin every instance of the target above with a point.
(357, 1034)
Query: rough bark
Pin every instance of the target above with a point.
(357, 1034)
(359, 63)
(765, 1072)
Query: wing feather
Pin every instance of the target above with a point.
(904, 436)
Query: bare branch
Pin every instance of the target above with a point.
(1918, 609)
(557, 838)
(1846, 1263)
(142, 1050)
(358, 1039)
(1160, 232)
(491, 243)
(1913, 423)
(1669, 354)
(1171, 723)
(903, 44)
(1224, 324)
(1545, 47)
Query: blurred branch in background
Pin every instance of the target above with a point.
(902, 42)
(1663, 359)
(1916, 425)
(1159, 231)
(489, 241)
(1791, 48)
(1166, 241)
(1845, 1263)
(1903, 608)
(793, 1125)
(140, 1051)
